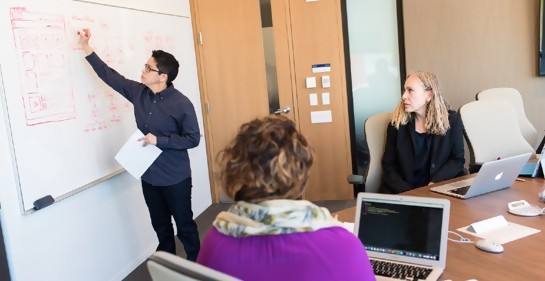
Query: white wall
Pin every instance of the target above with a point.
(475, 45)
(102, 233)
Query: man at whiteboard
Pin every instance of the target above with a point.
(168, 120)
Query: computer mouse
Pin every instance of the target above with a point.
(542, 195)
(489, 246)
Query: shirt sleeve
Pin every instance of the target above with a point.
(188, 135)
(392, 180)
(112, 78)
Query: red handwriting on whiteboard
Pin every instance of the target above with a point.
(43, 69)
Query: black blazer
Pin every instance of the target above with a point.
(398, 161)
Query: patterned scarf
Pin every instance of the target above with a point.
(273, 217)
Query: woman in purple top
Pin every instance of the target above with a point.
(269, 234)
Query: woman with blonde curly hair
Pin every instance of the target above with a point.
(269, 234)
(424, 142)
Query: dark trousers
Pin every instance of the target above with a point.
(165, 202)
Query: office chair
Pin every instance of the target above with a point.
(165, 266)
(375, 136)
(491, 131)
(512, 96)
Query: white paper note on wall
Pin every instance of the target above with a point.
(311, 82)
(323, 116)
(325, 99)
(322, 67)
(325, 81)
(313, 99)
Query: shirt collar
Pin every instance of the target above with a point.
(164, 93)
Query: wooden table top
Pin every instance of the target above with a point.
(522, 259)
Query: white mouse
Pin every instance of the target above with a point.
(489, 246)
(542, 195)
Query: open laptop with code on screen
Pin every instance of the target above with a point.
(493, 176)
(405, 236)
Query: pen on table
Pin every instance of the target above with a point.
(519, 179)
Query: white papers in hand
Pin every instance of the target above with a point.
(136, 158)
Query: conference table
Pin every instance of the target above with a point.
(522, 259)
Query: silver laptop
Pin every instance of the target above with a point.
(492, 176)
(403, 233)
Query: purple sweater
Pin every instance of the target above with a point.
(326, 254)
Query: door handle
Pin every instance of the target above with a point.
(284, 110)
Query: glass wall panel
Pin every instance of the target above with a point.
(375, 65)
(270, 57)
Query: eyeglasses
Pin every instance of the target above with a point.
(148, 68)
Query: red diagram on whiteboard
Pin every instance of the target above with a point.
(40, 42)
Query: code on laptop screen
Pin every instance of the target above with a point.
(405, 230)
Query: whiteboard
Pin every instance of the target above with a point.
(65, 124)
(172, 7)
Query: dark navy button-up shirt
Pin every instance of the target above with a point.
(169, 115)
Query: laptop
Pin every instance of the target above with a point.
(404, 232)
(493, 176)
(532, 169)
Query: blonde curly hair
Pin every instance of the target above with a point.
(268, 159)
(436, 121)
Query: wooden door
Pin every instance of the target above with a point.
(316, 38)
(231, 70)
(234, 87)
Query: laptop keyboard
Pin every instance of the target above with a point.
(461, 190)
(460, 187)
(400, 271)
(461, 183)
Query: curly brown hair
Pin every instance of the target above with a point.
(268, 159)
(436, 121)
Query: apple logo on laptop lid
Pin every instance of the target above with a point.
(498, 176)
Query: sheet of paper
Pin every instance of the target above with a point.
(488, 225)
(323, 67)
(136, 158)
(325, 99)
(313, 99)
(504, 234)
(311, 82)
(326, 83)
(323, 116)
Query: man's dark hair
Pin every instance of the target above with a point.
(167, 64)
